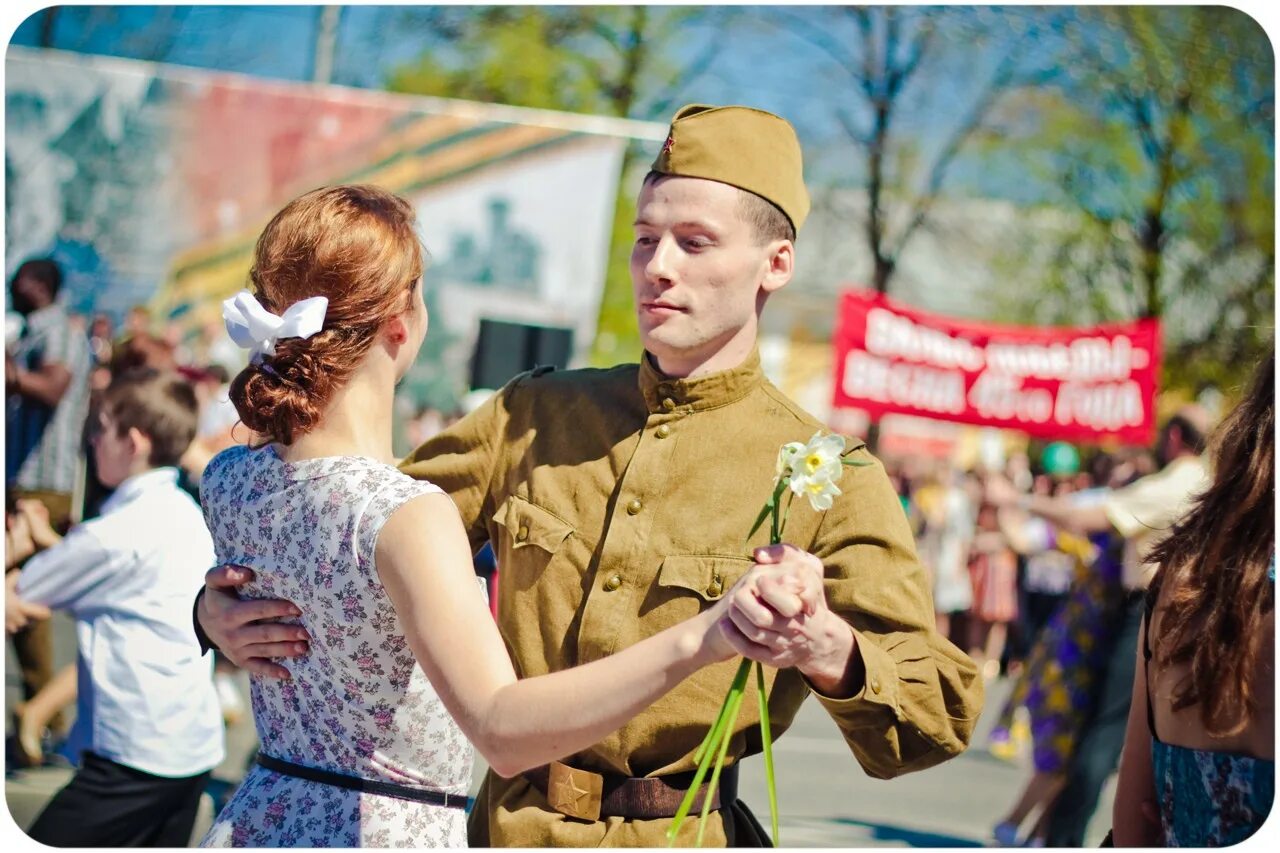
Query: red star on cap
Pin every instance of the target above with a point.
(669, 144)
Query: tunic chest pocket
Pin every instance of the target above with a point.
(710, 576)
(534, 535)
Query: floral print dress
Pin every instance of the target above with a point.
(1207, 798)
(357, 704)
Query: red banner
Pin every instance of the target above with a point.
(1075, 384)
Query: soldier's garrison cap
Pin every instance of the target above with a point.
(744, 147)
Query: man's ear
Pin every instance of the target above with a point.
(781, 260)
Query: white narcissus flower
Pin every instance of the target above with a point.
(787, 456)
(814, 468)
(821, 493)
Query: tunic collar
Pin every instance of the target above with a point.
(663, 393)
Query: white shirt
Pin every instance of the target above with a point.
(146, 696)
(1144, 511)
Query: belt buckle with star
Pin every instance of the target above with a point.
(574, 793)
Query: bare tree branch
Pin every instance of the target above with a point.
(821, 39)
(899, 76)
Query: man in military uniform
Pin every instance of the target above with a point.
(617, 502)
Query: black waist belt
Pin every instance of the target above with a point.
(368, 786)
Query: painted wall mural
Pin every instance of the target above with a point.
(150, 184)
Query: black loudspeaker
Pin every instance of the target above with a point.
(505, 349)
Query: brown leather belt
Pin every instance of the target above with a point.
(591, 796)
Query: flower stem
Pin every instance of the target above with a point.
(767, 739)
(726, 736)
(717, 733)
(711, 730)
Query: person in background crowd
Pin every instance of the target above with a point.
(147, 731)
(214, 348)
(136, 323)
(1048, 571)
(216, 428)
(142, 349)
(1200, 738)
(215, 431)
(46, 401)
(946, 538)
(1018, 471)
(993, 570)
(100, 340)
(1058, 688)
(1139, 514)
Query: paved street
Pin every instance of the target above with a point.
(824, 798)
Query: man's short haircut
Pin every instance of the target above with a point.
(765, 218)
(768, 221)
(159, 404)
(44, 270)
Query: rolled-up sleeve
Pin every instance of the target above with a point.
(922, 695)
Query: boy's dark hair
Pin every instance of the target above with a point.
(43, 270)
(160, 405)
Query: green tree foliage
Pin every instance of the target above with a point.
(1156, 156)
(891, 66)
(623, 61)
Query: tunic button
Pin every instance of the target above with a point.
(875, 685)
(634, 506)
(522, 534)
(613, 583)
(717, 586)
(668, 403)
(664, 431)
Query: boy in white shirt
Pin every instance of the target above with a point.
(148, 729)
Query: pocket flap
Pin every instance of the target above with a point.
(530, 524)
(707, 575)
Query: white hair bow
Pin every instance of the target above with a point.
(256, 329)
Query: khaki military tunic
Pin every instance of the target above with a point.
(618, 503)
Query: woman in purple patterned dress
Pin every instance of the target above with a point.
(369, 741)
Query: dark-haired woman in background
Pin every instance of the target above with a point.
(1200, 742)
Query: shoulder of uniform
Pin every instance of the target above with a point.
(577, 376)
(792, 410)
(789, 408)
(853, 444)
(554, 383)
